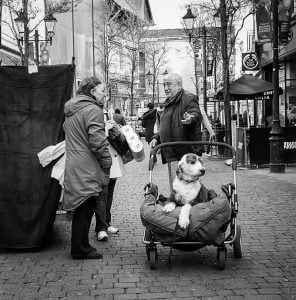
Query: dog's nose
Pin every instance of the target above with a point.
(202, 171)
(191, 159)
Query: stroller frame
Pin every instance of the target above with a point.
(234, 236)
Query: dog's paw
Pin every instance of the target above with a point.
(169, 207)
(183, 222)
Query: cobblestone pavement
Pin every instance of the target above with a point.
(267, 270)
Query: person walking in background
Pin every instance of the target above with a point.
(88, 162)
(292, 114)
(180, 121)
(148, 121)
(118, 117)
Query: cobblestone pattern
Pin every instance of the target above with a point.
(266, 271)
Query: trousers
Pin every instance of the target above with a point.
(81, 221)
(103, 206)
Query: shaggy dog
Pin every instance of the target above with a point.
(187, 188)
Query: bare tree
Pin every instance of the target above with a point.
(156, 48)
(118, 46)
(233, 14)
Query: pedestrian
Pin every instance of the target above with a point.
(180, 121)
(88, 162)
(207, 130)
(118, 117)
(103, 211)
(292, 114)
(149, 119)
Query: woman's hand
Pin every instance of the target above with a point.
(110, 124)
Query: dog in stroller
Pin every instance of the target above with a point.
(187, 188)
(212, 217)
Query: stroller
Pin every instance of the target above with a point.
(230, 231)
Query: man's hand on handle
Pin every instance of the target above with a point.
(152, 144)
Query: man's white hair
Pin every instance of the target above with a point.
(174, 76)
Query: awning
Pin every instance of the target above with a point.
(248, 87)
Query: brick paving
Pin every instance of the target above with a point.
(267, 270)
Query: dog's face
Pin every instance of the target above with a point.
(190, 167)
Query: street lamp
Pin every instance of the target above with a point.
(276, 139)
(189, 22)
(149, 77)
(189, 25)
(21, 23)
(151, 80)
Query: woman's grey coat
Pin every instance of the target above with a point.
(88, 160)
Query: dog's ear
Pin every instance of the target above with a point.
(179, 169)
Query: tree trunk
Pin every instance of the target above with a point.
(26, 33)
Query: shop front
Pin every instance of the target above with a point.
(251, 121)
(287, 74)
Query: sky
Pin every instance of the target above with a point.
(167, 13)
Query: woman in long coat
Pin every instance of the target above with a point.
(88, 162)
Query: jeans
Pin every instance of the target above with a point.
(111, 187)
(81, 221)
(103, 206)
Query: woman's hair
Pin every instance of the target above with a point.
(117, 111)
(87, 84)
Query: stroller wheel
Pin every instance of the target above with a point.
(221, 258)
(237, 245)
(153, 258)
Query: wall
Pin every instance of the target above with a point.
(62, 50)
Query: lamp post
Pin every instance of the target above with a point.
(276, 139)
(189, 22)
(189, 25)
(22, 26)
(151, 79)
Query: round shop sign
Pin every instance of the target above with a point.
(250, 62)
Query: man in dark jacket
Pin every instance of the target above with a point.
(148, 121)
(118, 117)
(180, 120)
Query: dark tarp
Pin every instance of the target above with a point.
(31, 118)
(248, 87)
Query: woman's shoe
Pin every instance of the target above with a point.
(102, 236)
(91, 255)
(112, 230)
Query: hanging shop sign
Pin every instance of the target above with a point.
(284, 18)
(198, 67)
(285, 35)
(210, 64)
(250, 62)
(263, 20)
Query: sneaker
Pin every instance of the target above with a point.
(102, 236)
(112, 230)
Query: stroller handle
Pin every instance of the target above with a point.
(192, 143)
